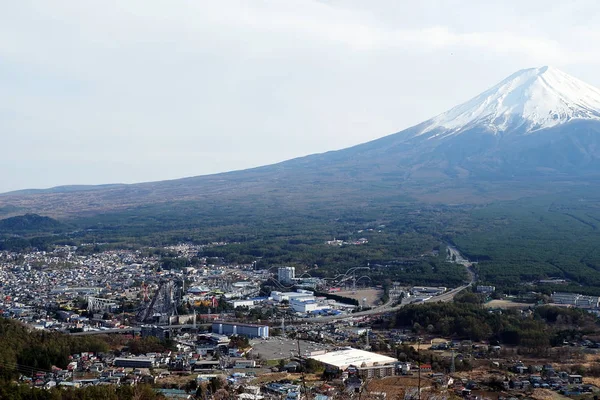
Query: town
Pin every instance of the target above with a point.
(188, 324)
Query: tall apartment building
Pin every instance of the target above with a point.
(286, 274)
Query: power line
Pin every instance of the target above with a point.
(302, 369)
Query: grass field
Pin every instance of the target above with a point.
(373, 296)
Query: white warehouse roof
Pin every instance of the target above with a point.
(342, 359)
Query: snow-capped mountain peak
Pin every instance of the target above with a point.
(527, 101)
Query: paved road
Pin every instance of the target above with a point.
(458, 258)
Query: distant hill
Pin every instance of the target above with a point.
(29, 223)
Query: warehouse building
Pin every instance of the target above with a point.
(289, 296)
(234, 328)
(576, 300)
(135, 362)
(308, 305)
(363, 363)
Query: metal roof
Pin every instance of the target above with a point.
(342, 359)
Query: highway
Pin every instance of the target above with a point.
(387, 307)
(444, 297)
(135, 329)
(107, 331)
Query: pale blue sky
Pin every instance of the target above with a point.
(139, 90)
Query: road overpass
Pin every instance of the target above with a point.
(132, 330)
(387, 307)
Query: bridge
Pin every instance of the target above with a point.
(132, 330)
(97, 304)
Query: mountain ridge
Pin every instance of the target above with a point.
(426, 162)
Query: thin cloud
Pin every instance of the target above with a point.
(98, 91)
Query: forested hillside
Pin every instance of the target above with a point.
(531, 239)
(24, 351)
(544, 327)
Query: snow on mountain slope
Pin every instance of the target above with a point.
(527, 101)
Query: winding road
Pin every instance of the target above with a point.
(455, 257)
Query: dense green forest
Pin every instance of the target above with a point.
(30, 223)
(531, 239)
(514, 242)
(540, 328)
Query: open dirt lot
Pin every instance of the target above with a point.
(277, 348)
(396, 386)
(506, 304)
(373, 296)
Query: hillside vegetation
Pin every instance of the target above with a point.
(544, 327)
(29, 223)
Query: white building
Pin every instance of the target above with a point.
(243, 303)
(286, 274)
(245, 363)
(300, 294)
(404, 368)
(576, 300)
(305, 305)
(565, 298)
(486, 289)
(367, 364)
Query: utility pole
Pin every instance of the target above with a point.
(300, 360)
(452, 365)
(419, 367)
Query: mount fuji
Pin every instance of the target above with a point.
(527, 101)
(540, 127)
(536, 122)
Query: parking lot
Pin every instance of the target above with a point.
(276, 348)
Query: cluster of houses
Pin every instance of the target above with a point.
(545, 377)
(86, 369)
